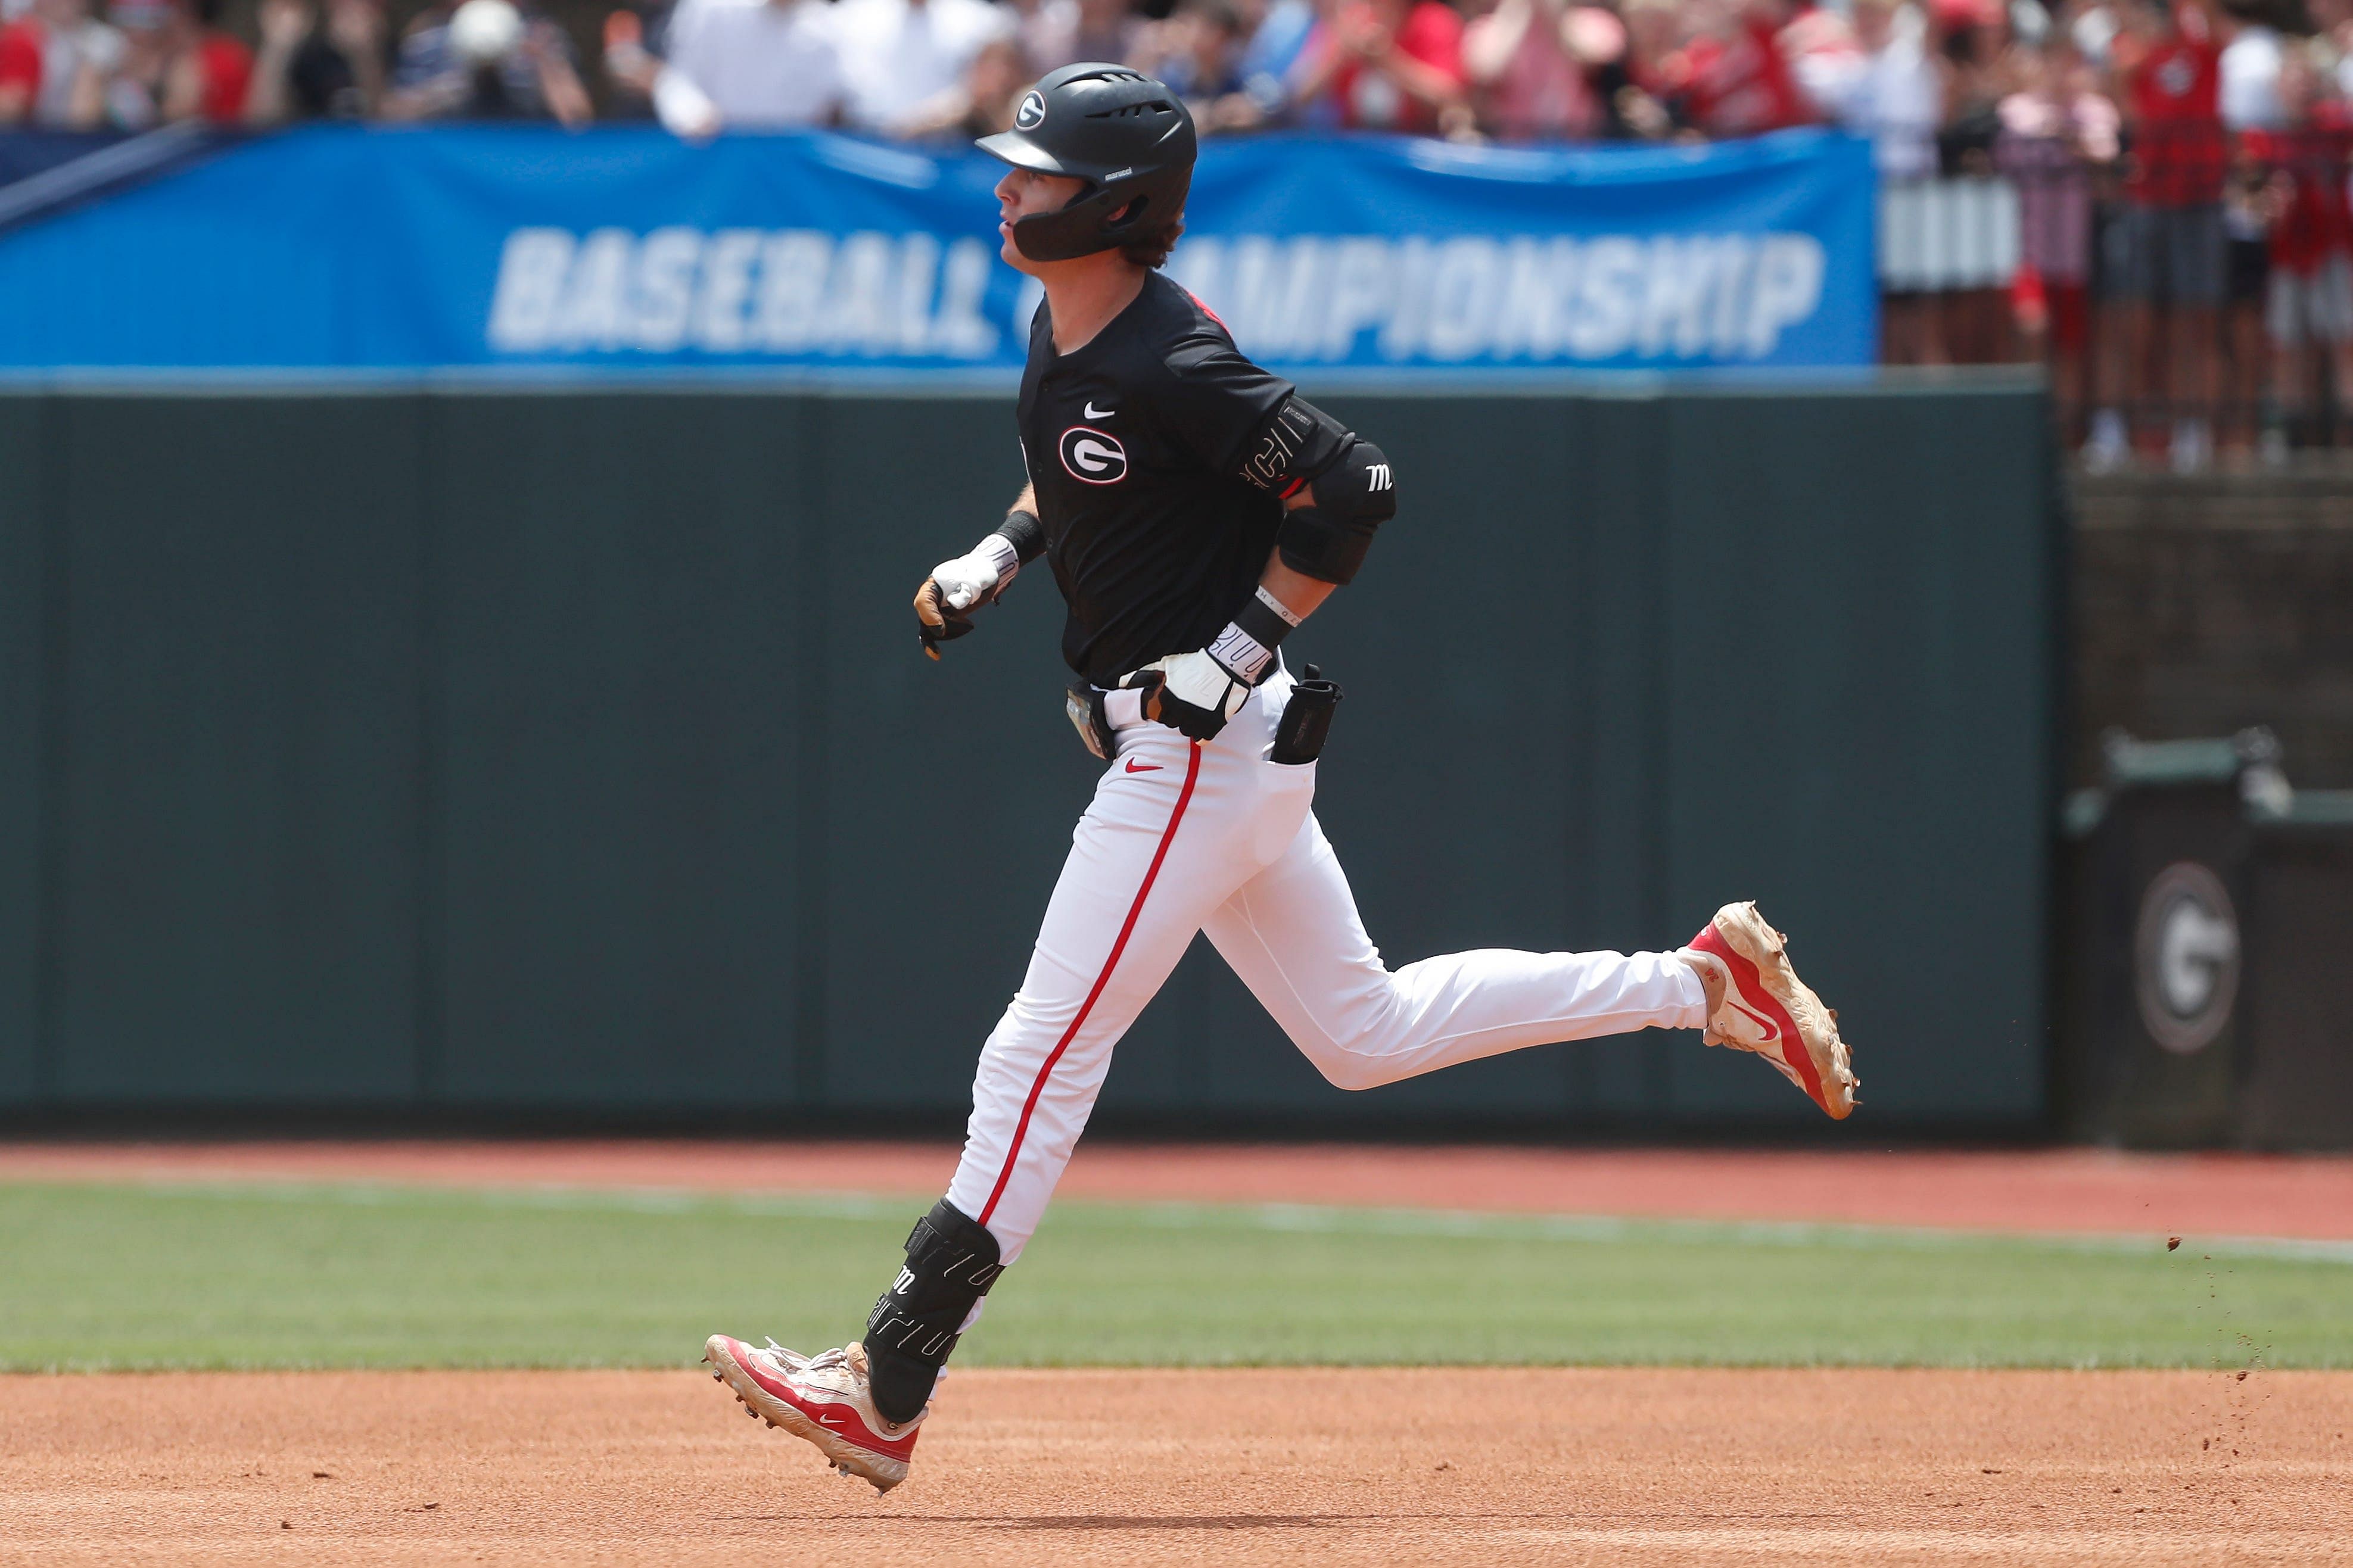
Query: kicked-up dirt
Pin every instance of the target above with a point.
(1640, 1467)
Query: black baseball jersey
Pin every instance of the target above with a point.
(1137, 443)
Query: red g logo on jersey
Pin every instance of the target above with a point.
(1092, 458)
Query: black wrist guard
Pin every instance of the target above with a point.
(951, 1264)
(1246, 647)
(1026, 532)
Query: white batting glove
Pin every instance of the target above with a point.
(982, 573)
(1197, 693)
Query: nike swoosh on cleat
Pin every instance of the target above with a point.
(1772, 1030)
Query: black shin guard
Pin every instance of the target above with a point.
(951, 1264)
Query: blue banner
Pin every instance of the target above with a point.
(350, 247)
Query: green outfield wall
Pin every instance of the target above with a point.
(442, 750)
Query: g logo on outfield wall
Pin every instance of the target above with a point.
(1091, 457)
(1032, 113)
(2186, 957)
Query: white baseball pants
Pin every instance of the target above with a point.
(1183, 838)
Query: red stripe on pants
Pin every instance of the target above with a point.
(1021, 1128)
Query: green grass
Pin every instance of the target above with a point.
(206, 1275)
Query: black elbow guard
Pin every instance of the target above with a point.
(1354, 496)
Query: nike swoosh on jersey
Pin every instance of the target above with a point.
(1094, 412)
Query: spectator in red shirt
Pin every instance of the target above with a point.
(213, 70)
(1734, 79)
(47, 58)
(1391, 65)
(176, 63)
(2168, 249)
(20, 70)
(2308, 306)
(1528, 59)
(1655, 37)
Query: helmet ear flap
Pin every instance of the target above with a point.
(1129, 214)
(1089, 224)
(1081, 226)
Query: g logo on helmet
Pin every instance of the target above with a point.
(1032, 113)
(1092, 458)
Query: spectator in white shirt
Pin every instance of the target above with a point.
(901, 58)
(748, 65)
(1890, 89)
(2250, 77)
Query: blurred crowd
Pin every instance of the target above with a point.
(1934, 82)
(2173, 173)
(1470, 70)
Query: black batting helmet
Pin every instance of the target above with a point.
(1127, 136)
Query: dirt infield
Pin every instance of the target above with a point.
(2022, 1189)
(1623, 1467)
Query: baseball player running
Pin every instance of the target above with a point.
(1195, 509)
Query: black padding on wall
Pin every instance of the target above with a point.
(571, 749)
(235, 817)
(2298, 1088)
(23, 483)
(622, 707)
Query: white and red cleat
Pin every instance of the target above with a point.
(1768, 1010)
(823, 1398)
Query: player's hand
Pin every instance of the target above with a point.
(969, 580)
(936, 623)
(1191, 693)
(954, 589)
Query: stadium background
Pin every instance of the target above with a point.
(395, 749)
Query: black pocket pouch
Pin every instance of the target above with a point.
(1306, 720)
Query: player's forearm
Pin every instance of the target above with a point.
(1285, 597)
(1288, 593)
(1205, 688)
(1301, 595)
